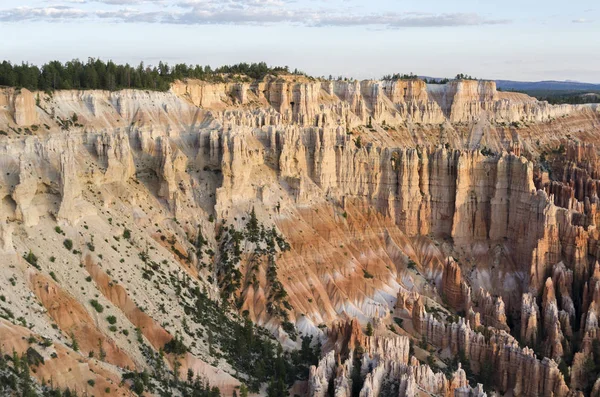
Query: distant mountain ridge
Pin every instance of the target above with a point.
(547, 85)
(544, 85)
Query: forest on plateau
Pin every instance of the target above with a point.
(96, 74)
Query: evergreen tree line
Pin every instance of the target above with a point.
(97, 74)
(573, 99)
(412, 76)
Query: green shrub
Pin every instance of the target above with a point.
(175, 346)
(32, 259)
(74, 343)
(358, 143)
(289, 329)
(68, 244)
(96, 305)
(111, 320)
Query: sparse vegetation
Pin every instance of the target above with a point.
(487, 151)
(32, 259)
(74, 344)
(96, 305)
(175, 346)
(358, 142)
(369, 329)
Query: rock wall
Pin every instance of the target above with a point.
(384, 361)
(516, 369)
(309, 102)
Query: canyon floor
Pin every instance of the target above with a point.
(293, 236)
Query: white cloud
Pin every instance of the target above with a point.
(581, 20)
(241, 12)
(41, 13)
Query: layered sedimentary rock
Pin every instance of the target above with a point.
(516, 369)
(552, 325)
(530, 320)
(454, 289)
(375, 187)
(384, 364)
(310, 102)
(492, 309)
(20, 106)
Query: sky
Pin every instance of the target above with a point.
(527, 40)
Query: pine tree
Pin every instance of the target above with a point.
(252, 227)
(74, 343)
(176, 366)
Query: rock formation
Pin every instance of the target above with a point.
(491, 309)
(454, 289)
(450, 216)
(515, 369)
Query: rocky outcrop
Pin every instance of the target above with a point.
(491, 309)
(310, 102)
(552, 325)
(530, 320)
(470, 392)
(516, 369)
(454, 289)
(406, 299)
(19, 106)
(70, 189)
(24, 193)
(116, 155)
(6, 231)
(384, 364)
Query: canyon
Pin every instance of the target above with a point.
(430, 239)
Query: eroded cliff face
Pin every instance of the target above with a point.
(311, 102)
(414, 207)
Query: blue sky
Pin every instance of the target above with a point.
(520, 40)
